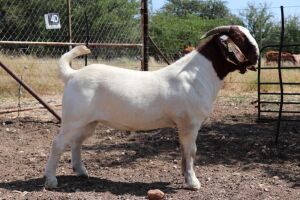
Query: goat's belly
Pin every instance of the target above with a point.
(132, 112)
(137, 123)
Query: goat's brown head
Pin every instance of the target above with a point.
(230, 48)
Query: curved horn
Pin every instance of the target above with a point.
(220, 29)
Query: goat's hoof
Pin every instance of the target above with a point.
(81, 171)
(51, 183)
(193, 184)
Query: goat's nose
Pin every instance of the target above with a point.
(252, 68)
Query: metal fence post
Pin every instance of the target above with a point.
(145, 34)
(280, 75)
(87, 37)
(69, 22)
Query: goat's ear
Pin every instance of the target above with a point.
(231, 51)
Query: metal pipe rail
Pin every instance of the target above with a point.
(281, 67)
(276, 93)
(274, 83)
(277, 102)
(284, 111)
(107, 45)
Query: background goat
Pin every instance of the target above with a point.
(272, 56)
(297, 58)
(180, 95)
(188, 49)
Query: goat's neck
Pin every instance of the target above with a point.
(198, 71)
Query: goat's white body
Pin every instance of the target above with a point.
(180, 95)
(134, 100)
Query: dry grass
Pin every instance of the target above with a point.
(42, 75)
(288, 76)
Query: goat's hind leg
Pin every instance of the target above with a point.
(67, 136)
(76, 144)
(58, 147)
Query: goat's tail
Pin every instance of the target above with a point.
(64, 62)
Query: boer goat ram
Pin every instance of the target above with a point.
(180, 95)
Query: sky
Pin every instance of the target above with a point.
(292, 7)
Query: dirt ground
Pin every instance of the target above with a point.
(236, 159)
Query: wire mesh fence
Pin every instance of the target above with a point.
(28, 47)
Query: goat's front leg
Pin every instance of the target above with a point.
(187, 138)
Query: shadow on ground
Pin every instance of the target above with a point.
(91, 184)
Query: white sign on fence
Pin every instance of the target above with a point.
(52, 21)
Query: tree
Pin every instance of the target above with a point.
(182, 8)
(108, 20)
(211, 9)
(173, 33)
(183, 22)
(292, 33)
(258, 20)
